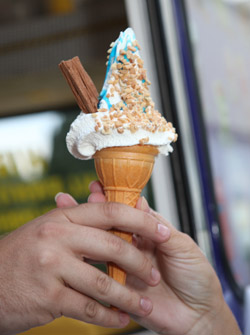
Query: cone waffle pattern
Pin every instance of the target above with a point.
(123, 172)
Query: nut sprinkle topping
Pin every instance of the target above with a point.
(135, 110)
(123, 114)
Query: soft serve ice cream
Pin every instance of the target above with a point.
(126, 114)
(121, 130)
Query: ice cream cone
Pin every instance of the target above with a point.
(123, 172)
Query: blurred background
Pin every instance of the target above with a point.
(37, 106)
(196, 53)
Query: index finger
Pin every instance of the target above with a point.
(110, 215)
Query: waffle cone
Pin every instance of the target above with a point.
(123, 173)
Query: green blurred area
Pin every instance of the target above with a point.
(22, 200)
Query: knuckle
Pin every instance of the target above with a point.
(103, 284)
(111, 210)
(47, 258)
(91, 309)
(47, 229)
(51, 229)
(116, 245)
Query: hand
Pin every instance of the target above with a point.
(189, 298)
(45, 274)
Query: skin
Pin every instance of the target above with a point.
(171, 287)
(45, 271)
(189, 298)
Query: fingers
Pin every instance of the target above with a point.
(109, 215)
(99, 286)
(94, 244)
(97, 194)
(64, 200)
(77, 306)
(86, 242)
(95, 187)
(178, 244)
(96, 197)
(143, 205)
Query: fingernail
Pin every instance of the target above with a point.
(146, 304)
(163, 230)
(57, 195)
(124, 319)
(155, 275)
(144, 205)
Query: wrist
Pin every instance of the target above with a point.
(225, 322)
(217, 323)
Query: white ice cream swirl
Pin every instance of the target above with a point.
(126, 114)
